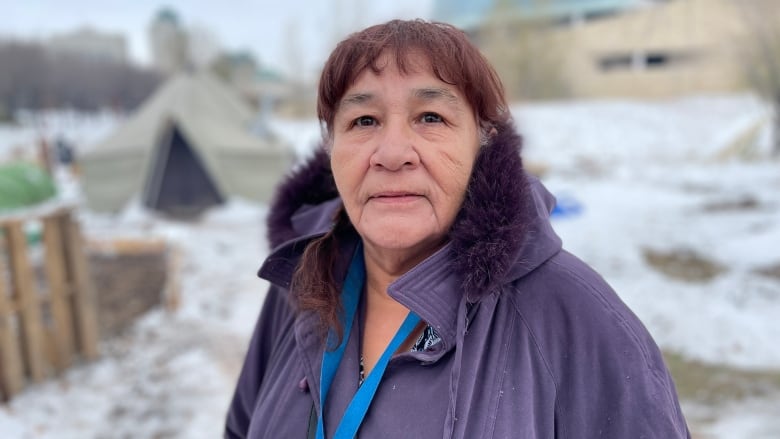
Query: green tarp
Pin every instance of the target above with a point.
(24, 184)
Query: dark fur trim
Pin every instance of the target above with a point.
(308, 184)
(490, 227)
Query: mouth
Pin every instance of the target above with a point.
(395, 197)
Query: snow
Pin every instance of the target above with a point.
(748, 419)
(83, 130)
(171, 374)
(647, 175)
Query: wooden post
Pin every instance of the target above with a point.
(84, 300)
(172, 291)
(11, 367)
(29, 305)
(62, 330)
(34, 342)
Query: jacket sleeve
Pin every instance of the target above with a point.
(612, 381)
(617, 394)
(274, 315)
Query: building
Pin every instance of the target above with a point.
(674, 48)
(203, 47)
(471, 15)
(612, 48)
(169, 43)
(91, 44)
(527, 41)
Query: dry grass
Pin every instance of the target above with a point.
(716, 384)
(683, 264)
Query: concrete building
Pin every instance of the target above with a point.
(675, 48)
(527, 41)
(471, 15)
(613, 48)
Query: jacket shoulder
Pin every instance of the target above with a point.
(565, 299)
(609, 374)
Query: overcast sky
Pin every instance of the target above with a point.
(267, 28)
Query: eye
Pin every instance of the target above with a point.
(431, 118)
(364, 121)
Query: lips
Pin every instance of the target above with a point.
(395, 197)
(394, 194)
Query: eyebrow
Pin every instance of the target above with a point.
(356, 99)
(425, 94)
(435, 93)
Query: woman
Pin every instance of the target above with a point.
(417, 287)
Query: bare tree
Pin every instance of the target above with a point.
(761, 55)
(22, 75)
(33, 78)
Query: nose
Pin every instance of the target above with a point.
(395, 149)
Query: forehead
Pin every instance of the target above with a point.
(411, 75)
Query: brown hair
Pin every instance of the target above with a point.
(453, 59)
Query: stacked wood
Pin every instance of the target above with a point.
(44, 325)
(131, 276)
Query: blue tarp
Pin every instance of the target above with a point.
(566, 206)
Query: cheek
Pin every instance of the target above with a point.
(454, 171)
(457, 192)
(347, 171)
(339, 159)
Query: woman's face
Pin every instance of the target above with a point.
(403, 147)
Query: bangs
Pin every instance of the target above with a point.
(450, 55)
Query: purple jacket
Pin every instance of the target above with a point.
(534, 343)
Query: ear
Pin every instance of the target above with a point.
(486, 133)
(327, 139)
(327, 145)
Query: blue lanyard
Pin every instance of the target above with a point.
(356, 411)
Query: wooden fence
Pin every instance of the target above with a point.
(48, 315)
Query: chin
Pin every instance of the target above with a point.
(402, 238)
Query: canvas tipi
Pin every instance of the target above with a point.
(188, 147)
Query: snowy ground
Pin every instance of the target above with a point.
(646, 177)
(19, 140)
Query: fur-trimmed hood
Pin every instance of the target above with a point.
(502, 231)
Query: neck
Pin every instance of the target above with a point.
(386, 265)
(378, 279)
(384, 314)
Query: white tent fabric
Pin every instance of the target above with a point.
(217, 126)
